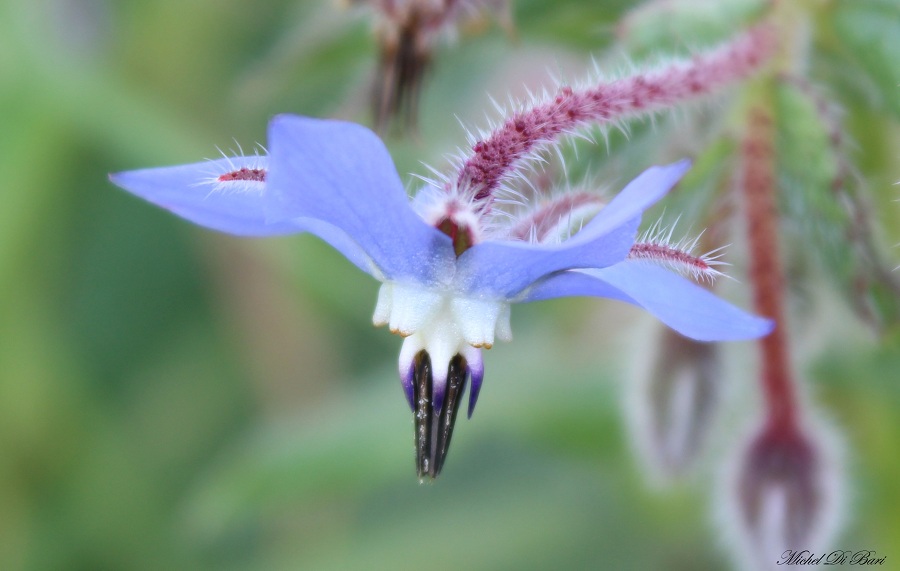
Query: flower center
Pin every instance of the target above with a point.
(441, 317)
(444, 325)
(461, 235)
(458, 219)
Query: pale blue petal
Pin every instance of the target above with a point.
(572, 283)
(341, 173)
(191, 192)
(679, 303)
(639, 195)
(504, 269)
(339, 240)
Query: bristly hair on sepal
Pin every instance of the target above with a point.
(656, 245)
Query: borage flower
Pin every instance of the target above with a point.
(452, 262)
(448, 281)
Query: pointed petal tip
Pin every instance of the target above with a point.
(674, 172)
(681, 168)
(739, 325)
(120, 178)
(684, 306)
(683, 165)
(746, 327)
(763, 327)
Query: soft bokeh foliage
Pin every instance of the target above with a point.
(171, 398)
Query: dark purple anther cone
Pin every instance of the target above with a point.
(434, 421)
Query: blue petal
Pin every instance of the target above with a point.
(503, 269)
(341, 174)
(639, 195)
(572, 283)
(190, 191)
(679, 303)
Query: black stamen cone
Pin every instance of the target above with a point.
(435, 428)
(422, 384)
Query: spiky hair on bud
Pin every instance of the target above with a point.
(656, 245)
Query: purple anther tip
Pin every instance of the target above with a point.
(476, 372)
(406, 379)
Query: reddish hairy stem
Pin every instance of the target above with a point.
(759, 190)
(529, 130)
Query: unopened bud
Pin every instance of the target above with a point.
(785, 495)
(407, 34)
(675, 402)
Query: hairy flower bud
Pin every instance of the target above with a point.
(674, 404)
(785, 495)
(407, 32)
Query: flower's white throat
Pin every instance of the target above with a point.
(442, 322)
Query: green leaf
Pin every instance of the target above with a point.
(808, 174)
(575, 23)
(658, 26)
(871, 32)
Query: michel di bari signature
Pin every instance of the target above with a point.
(838, 557)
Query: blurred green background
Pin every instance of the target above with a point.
(173, 398)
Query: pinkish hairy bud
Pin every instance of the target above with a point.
(779, 474)
(674, 403)
(786, 495)
(407, 33)
(530, 130)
